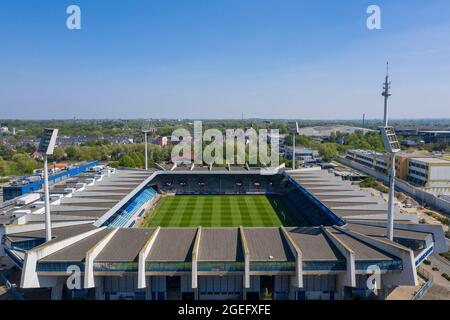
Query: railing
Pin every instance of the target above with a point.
(17, 260)
(168, 266)
(116, 266)
(8, 202)
(324, 266)
(9, 286)
(26, 245)
(383, 265)
(221, 266)
(272, 266)
(58, 266)
(425, 274)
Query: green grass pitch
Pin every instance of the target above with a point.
(220, 211)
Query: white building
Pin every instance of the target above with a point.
(429, 172)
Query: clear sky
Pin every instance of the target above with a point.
(221, 58)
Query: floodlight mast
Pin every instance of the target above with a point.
(146, 151)
(48, 225)
(46, 147)
(390, 229)
(293, 151)
(145, 131)
(386, 94)
(392, 147)
(296, 131)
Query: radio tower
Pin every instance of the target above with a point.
(386, 94)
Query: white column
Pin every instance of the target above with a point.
(408, 275)
(48, 224)
(298, 258)
(293, 153)
(195, 251)
(29, 277)
(143, 254)
(90, 257)
(349, 278)
(390, 230)
(246, 258)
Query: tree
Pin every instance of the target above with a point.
(25, 164)
(5, 168)
(328, 151)
(127, 161)
(58, 154)
(72, 153)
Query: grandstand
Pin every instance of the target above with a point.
(216, 233)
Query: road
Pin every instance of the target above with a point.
(440, 262)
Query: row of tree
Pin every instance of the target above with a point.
(19, 164)
(339, 142)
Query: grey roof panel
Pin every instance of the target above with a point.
(77, 252)
(57, 233)
(267, 244)
(314, 245)
(220, 245)
(125, 245)
(376, 231)
(173, 245)
(363, 251)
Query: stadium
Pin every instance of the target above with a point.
(207, 233)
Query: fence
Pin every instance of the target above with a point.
(416, 193)
(425, 274)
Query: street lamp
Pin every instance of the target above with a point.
(46, 147)
(392, 147)
(294, 132)
(145, 132)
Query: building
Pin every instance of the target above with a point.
(302, 154)
(422, 171)
(34, 183)
(409, 143)
(429, 172)
(160, 141)
(326, 131)
(375, 160)
(435, 136)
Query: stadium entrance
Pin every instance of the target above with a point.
(173, 285)
(267, 286)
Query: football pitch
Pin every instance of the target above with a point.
(220, 211)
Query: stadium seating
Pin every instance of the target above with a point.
(124, 214)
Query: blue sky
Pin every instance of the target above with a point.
(221, 58)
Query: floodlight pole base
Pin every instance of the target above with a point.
(293, 152)
(48, 224)
(390, 222)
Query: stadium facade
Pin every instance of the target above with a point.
(332, 253)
